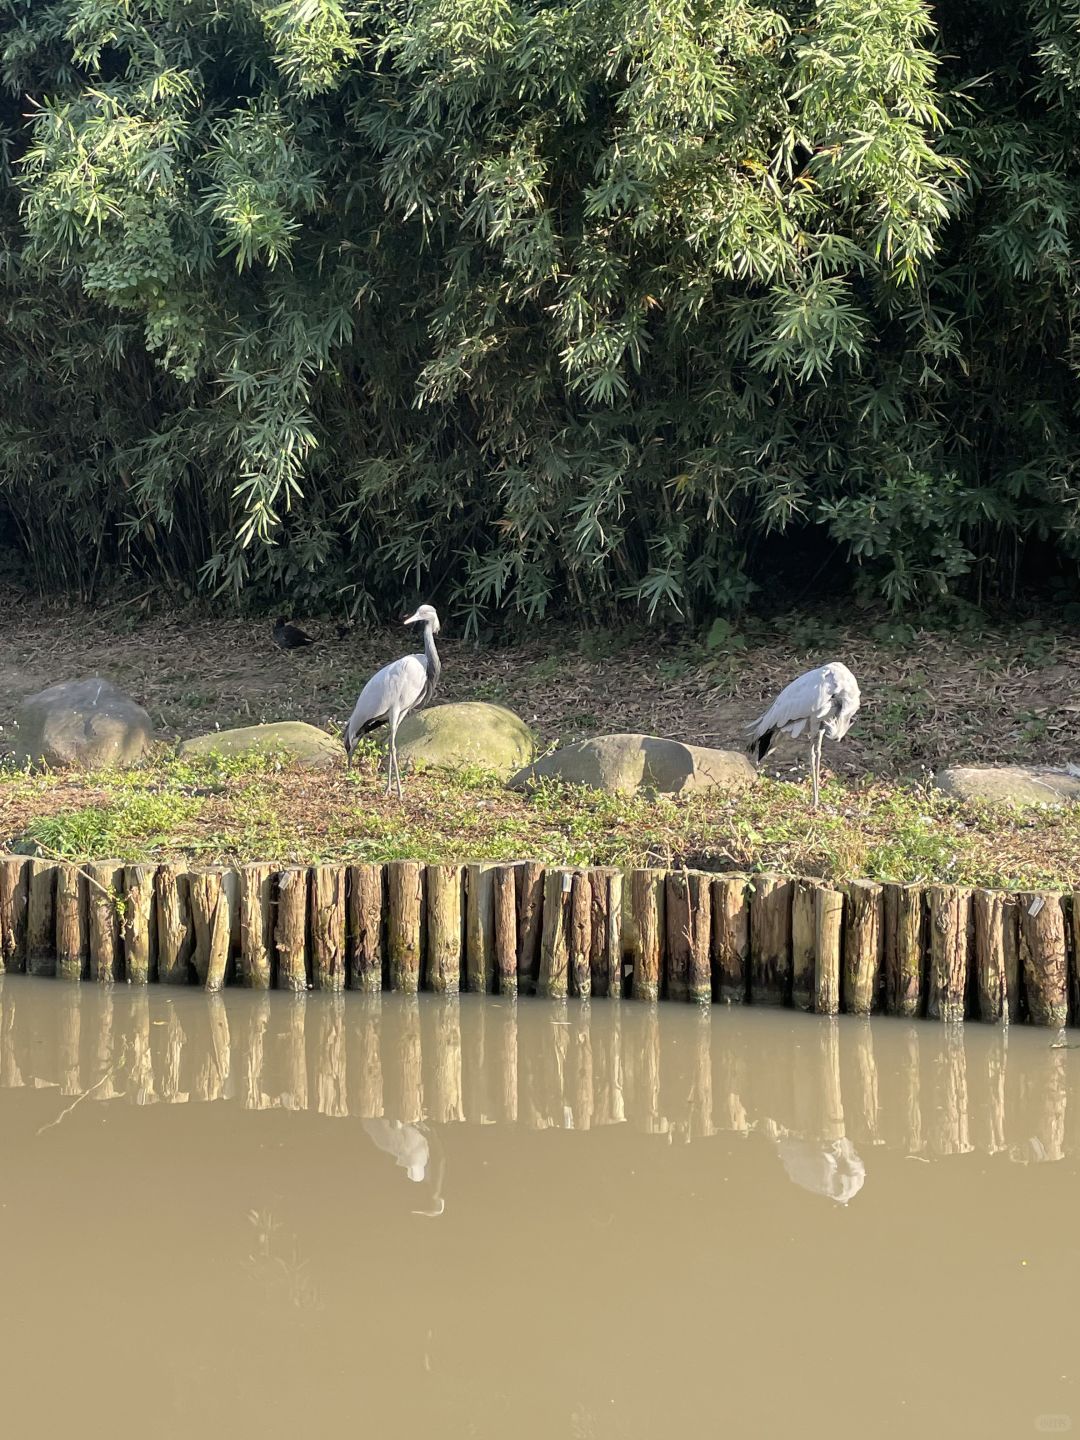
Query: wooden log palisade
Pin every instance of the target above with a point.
(520, 928)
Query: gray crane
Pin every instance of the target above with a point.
(823, 702)
(395, 690)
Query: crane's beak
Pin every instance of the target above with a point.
(411, 619)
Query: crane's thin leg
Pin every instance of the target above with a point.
(395, 772)
(815, 764)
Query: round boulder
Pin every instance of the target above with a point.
(452, 737)
(303, 745)
(86, 724)
(627, 764)
(1010, 784)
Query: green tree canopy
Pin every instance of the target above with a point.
(535, 305)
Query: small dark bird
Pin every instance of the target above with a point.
(290, 637)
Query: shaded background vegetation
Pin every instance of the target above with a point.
(636, 305)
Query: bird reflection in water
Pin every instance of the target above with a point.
(411, 1147)
(832, 1168)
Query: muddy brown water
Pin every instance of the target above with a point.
(260, 1216)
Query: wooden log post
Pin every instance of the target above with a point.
(404, 934)
(72, 923)
(862, 946)
(689, 933)
(105, 880)
(140, 959)
(730, 939)
(14, 886)
(1044, 958)
(580, 942)
(290, 930)
(256, 968)
(328, 927)
(210, 913)
(506, 936)
(770, 940)
(555, 936)
(989, 909)
(950, 910)
(648, 889)
(904, 948)
(41, 918)
(446, 928)
(367, 890)
(605, 933)
(699, 974)
(828, 943)
(530, 924)
(480, 927)
(803, 943)
(175, 932)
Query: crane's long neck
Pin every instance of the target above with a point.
(431, 657)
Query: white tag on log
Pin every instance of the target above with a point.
(1035, 906)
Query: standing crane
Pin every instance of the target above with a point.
(396, 690)
(823, 702)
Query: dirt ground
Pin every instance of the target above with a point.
(929, 698)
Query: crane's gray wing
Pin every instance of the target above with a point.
(793, 707)
(402, 685)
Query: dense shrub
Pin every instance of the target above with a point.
(578, 306)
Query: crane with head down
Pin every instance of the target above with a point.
(822, 703)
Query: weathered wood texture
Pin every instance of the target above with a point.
(256, 967)
(770, 940)
(803, 943)
(862, 946)
(14, 884)
(404, 922)
(175, 931)
(140, 929)
(828, 933)
(731, 939)
(506, 936)
(1044, 956)
(689, 933)
(446, 928)
(105, 880)
(480, 928)
(364, 941)
(72, 923)
(530, 922)
(950, 913)
(41, 918)
(554, 977)
(997, 949)
(290, 930)
(328, 927)
(605, 933)
(647, 922)
(580, 935)
(213, 928)
(904, 948)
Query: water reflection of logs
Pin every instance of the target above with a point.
(447, 1060)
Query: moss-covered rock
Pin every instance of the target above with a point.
(453, 737)
(303, 744)
(86, 724)
(627, 764)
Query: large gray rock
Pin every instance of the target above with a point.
(303, 745)
(626, 764)
(88, 724)
(452, 737)
(1009, 784)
